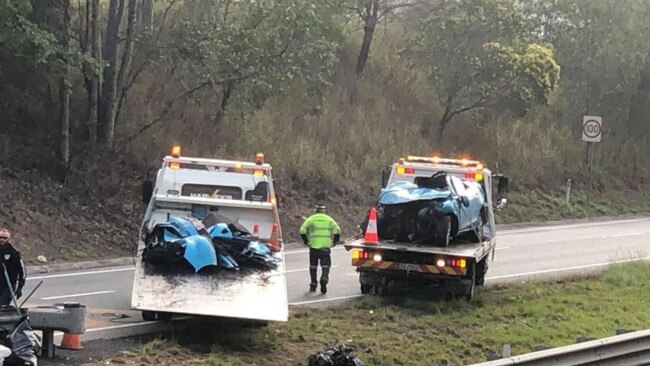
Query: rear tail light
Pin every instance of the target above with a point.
(451, 262)
(363, 254)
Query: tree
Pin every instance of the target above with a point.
(65, 90)
(476, 57)
(90, 45)
(25, 49)
(231, 47)
(371, 12)
(602, 49)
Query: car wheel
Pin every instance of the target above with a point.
(443, 232)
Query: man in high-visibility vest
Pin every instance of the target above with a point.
(320, 232)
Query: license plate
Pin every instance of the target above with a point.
(408, 266)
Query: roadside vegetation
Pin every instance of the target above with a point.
(95, 92)
(410, 329)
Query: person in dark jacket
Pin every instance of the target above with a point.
(10, 257)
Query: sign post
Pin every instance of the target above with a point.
(592, 131)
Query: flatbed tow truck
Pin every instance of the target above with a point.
(190, 188)
(458, 267)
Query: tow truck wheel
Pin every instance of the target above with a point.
(481, 270)
(148, 315)
(379, 290)
(469, 291)
(165, 316)
(366, 289)
(471, 284)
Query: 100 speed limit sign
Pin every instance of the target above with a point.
(592, 128)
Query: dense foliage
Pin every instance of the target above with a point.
(507, 81)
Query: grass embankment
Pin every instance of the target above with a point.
(537, 206)
(419, 330)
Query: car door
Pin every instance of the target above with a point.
(474, 193)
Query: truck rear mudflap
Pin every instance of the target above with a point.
(244, 294)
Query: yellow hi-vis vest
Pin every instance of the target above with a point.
(320, 228)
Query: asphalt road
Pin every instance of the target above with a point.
(521, 254)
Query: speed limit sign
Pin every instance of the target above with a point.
(592, 128)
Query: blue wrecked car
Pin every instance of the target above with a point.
(431, 210)
(216, 242)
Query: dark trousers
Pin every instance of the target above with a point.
(5, 296)
(322, 256)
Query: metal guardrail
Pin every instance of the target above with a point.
(627, 349)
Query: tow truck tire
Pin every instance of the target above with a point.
(481, 271)
(471, 284)
(469, 291)
(165, 316)
(148, 315)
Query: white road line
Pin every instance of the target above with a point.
(325, 300)
(624, 235)
(77, 295)
(305, 269)
(568, 226)
(604, 264)
(502, 248)
(80, 273)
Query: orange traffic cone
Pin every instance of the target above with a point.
(71, 341)
(372, 237)
(256, 230)
(273, 242)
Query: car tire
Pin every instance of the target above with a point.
(443, 232)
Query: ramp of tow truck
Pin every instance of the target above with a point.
(245, 294)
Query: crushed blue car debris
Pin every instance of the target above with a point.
(430, 210)
(216, 241)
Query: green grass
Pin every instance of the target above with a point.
(424, 330)
(537, 205)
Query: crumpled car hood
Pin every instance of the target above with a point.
(403, 192)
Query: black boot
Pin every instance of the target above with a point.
(323, 285)
(312, 275)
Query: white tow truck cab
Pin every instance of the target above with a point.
(460, 266)
(192, 188)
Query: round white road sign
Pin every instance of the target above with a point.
(592, 128)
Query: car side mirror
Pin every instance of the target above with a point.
(465, 201)
(502, 193)
(147, 191)
(502, 189)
